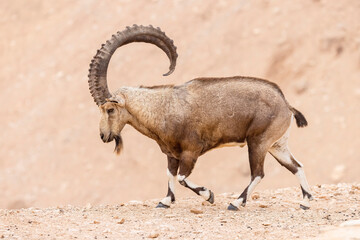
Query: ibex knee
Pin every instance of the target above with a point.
(181, 180)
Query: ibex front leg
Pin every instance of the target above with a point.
(173, 165)
(187, 164)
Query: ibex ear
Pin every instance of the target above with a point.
(119, 99)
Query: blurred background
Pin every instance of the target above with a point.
(50, 150)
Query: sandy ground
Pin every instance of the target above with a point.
(334, 214)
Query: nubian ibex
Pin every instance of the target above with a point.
(190, 119)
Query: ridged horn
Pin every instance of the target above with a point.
(99, 64)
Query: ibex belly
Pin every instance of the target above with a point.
(232, 144)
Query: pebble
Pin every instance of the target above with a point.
(121, 221)
(206, 203)
(196, 211)
(88, 206)
(154, 235)
(255, 196)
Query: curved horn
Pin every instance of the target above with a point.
(99, 64)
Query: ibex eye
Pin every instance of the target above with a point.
(110, 110)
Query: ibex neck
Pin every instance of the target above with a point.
(148, 108)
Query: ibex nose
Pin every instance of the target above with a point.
(102, 136)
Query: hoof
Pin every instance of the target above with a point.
(303, 207)
(211, 198)
(161, 205)
(232, 207)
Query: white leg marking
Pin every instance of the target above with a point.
(205, 194)
(253, 185)
(166, 201)
(171, 180)
(180, 178)
(304, 184)
(237, 202)
(250, 189)
(302, 179)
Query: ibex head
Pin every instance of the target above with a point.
(114, 115)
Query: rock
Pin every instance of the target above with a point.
(59, 211)
(121, 221)
(206, 203)
(96, 222)
(263, 206)
(266, 224)
(154, 235)
(255, 196)
(196, 211)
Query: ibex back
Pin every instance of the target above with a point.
(202, 114)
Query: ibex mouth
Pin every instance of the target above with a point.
(118, 141)
(106, 139)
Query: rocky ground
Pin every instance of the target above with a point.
(50, 150)
(272, 214)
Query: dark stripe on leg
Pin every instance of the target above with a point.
(196, 190)
(244, 196)
(170, 194)
(305, 193)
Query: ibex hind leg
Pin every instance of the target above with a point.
(282, 154)
(257, 152)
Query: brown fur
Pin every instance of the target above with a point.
(201, 114)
